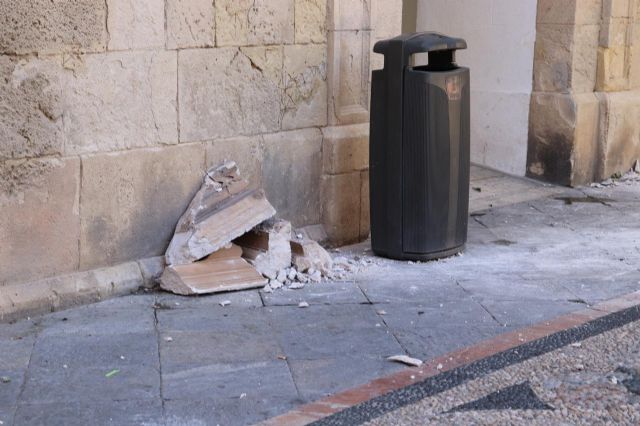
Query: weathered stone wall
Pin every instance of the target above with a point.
(585, 109)
(110, 111)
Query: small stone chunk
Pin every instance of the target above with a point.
(403, 359)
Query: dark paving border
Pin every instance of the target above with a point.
(381, 396)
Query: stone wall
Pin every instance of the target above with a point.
(585, 109)
(500, 36)
(110, 111)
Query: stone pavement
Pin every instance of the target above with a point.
(534, 253)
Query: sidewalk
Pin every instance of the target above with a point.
(534, 253)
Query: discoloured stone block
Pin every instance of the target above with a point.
(254, 22)
(121, 100)
(240, 94)
(190, 23)
(46, 26)
(30, 101)
(341, 207)
(563, 136)
(311, 21)
(305, 86)
(245, 151)
(131, 201)
(291, 168)
(569, 11)
(135, 24)
(345, 148)
(39, 223)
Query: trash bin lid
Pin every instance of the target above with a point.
(421, 43)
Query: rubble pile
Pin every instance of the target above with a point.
(228, 239)
(633, 175)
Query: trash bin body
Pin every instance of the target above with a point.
(419, 149)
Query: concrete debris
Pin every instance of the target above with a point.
(282, 276)
(223, 209)
(303, 305)
(224, 270)
(403, 359)
(296, 286)
(636, 166)
(267, 247)
(308, 254)
(225, 303)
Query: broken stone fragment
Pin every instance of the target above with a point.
(223, 209)
(224, 270)
(308, 254)
(267, 247)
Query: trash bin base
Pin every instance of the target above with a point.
(421, 256)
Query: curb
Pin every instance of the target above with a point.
(18, 301)
(341, 401)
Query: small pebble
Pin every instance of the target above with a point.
(303, 305)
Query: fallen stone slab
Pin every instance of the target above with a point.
(267, 247)
(308, 255)
(224, 208)
(224, 270)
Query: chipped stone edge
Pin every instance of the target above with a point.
(19, 301)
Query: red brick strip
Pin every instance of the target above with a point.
(335, 403)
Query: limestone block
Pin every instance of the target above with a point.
(228, 92)
(30, 101)
(151, 269)
(620, 130)
(121, 100)
(245, 151)
(341, 202)
(365, 213)
(569, 11)
(254, 22)
(135, 24)
(349, 76)
(48, 295)
(305, 86)
(311, 21)
(46, 26)
(386, 18)
(615, 8)
(612, 69)
(39, 220)
(291, 174)
(565, 58)
(349, 14)
(563, 137)
(190, 23)
(131, 201)
(634, 60)
(345, 148)
(613, 32)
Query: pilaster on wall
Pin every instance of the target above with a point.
(585, 109)
(354, 26)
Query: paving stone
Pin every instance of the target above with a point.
(321, 332)
(318, 378)
(596, 289)
(16, 352)
(77, 351)
(89, 320)
(135, 301)
(435, 314)
(496, 287)
(238, 299)
(326, 293)
(10, 391)
(428, 288)
(125, 413)
(213, 319)
(188, 350)
(231, 411)
(517, 313)
(223, 382)
(430, 342)
(7, 414)
(84, 384)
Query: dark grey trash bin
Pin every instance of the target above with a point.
(419, 149)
